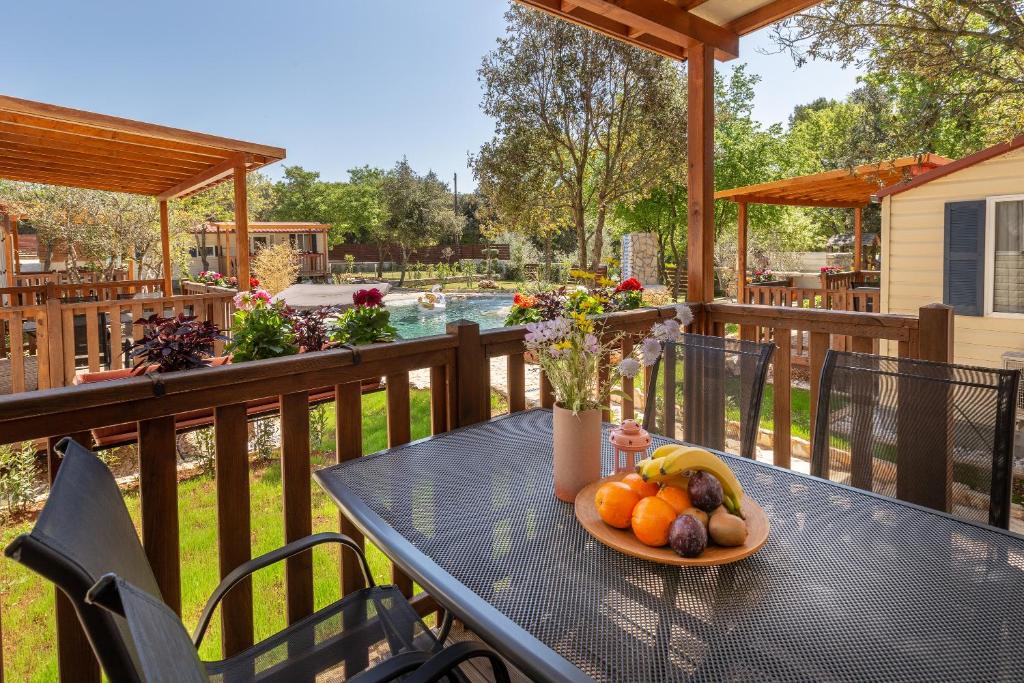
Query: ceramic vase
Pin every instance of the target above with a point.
(576, 456)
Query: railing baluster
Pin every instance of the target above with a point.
(438, 399)
(158, 492)
(92, 337)
(819, 346)
(603, 372)
(75, 660)
(68, 323)
(349, 446)
(547, 392)
(116, 341)
(44, 380)
(628, 386)
(782, 401)
(398, 434)
(296, 496)
(516, 371)
(17, 354)
(234, 523)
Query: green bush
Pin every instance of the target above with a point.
(17, 465)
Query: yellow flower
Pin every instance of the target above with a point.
(605, 282)
(563, 345)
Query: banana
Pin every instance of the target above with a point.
(679, 459)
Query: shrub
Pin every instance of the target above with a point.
(276, 266)
(17, 466)
(264, 437)
(178, 343)
(199, 447)
(311, 327)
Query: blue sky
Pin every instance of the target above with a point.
(339, 83)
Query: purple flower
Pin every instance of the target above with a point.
(629, 367)
(590, 344)
(650, 351)
(684, 315)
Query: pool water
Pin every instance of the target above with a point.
(488, 310)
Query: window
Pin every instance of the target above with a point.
(258, 243)
(1005, 249)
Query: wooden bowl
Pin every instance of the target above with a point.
(624, 541)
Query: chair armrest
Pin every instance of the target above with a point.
(243, 570)
(448, 659)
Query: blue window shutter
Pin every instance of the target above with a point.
(963, 285)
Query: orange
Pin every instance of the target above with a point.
(615, 502)
(637, 483)
(652, 517)
(678, 498)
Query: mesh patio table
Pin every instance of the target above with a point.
(849, 587)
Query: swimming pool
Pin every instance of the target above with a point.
(488, 310)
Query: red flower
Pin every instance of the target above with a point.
(524, 301)
(368, 298)
(253, 283)
(629, 285)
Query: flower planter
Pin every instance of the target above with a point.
(771, 283)
(108, 375)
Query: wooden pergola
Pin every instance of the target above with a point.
(843, 188)
(51, 145)
(698, 31)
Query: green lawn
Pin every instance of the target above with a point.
(800, 411)
(26, 602)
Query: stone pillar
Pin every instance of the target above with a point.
(640, 257)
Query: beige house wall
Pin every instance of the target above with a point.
(912, 254)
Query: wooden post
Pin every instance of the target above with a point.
(858, 231)
(16, 246)
(926, 481)
(701, 178)
(55, 336)
(165, 247)
(741, 252)
(473, 402)
(935, 329)
(242, 227)
(9, 251)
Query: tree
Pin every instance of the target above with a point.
(966, 55)
(362, 211)
(602, 119)
(420, 211)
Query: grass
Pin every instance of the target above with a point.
(800, 411)
(26, 601)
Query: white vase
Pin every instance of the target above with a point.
(576, 454)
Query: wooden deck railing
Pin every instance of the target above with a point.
(458, 364)
(44, 345)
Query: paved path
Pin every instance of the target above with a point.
(312, 296)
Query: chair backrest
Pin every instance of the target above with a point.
(935, 434)
(165, 651)
(83, 532)
(704, 382)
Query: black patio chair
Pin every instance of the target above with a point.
(703, 381)
(935, 434)
(85, 532)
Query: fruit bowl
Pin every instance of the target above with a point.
(624, 541)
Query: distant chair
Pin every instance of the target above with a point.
(724, 379)
(935, 434)
(84, 532)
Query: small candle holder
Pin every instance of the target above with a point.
(628, 439)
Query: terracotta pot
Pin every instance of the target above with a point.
(107, 375)
(576, 456)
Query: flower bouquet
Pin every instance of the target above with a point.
(570, 350)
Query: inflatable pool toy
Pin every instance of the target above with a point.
(432, 300)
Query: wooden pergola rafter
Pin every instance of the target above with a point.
(52, 145)
(842, 189)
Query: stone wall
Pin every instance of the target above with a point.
(640, 257)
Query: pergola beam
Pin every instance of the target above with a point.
(210, 176)
(769, 14)
(668, 22)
